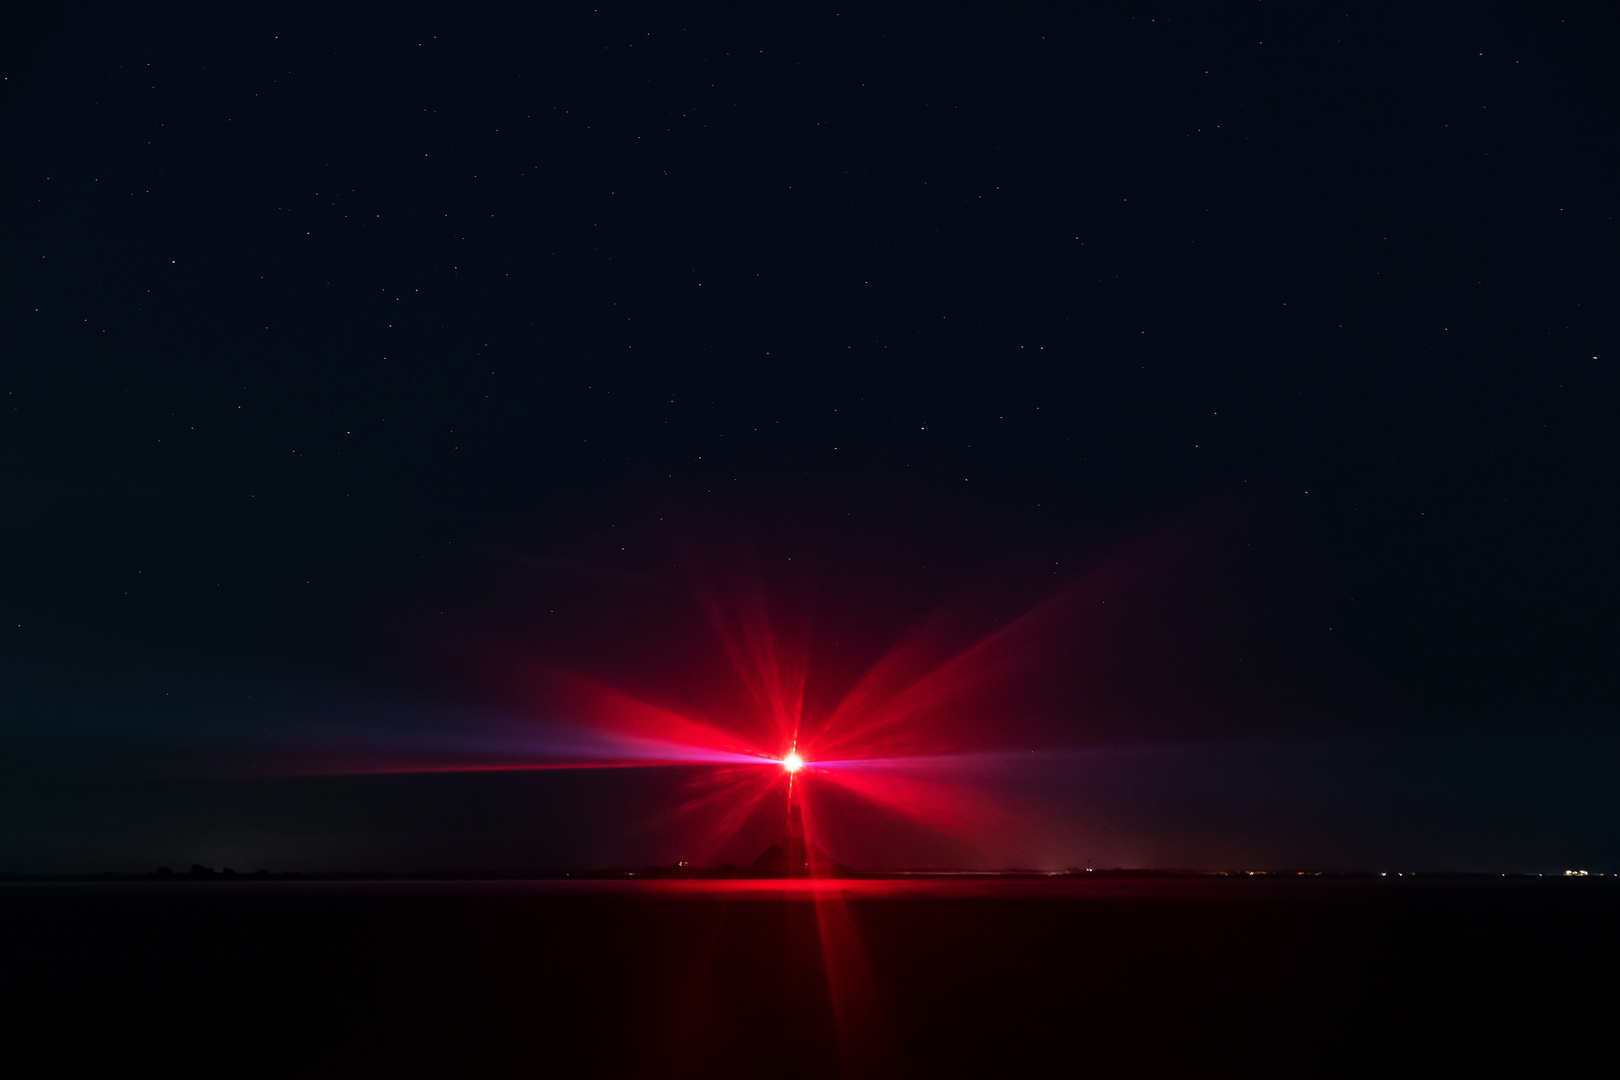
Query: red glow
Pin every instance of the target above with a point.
(902, 747)
(894, 742)
(890, 742)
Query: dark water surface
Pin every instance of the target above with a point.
(897, 978)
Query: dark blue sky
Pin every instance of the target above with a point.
(342, 341)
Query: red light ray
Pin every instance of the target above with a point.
(865, 1045)
(411, 767)
(599, 705)
(538, 748)
(923, 697)
(952, 807)
(721, 802)
(773, 675)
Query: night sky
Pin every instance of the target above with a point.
(361, 361)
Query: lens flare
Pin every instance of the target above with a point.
(922, 739)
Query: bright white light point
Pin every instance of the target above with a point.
(793, 762)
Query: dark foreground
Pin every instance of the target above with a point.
(777, 979)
